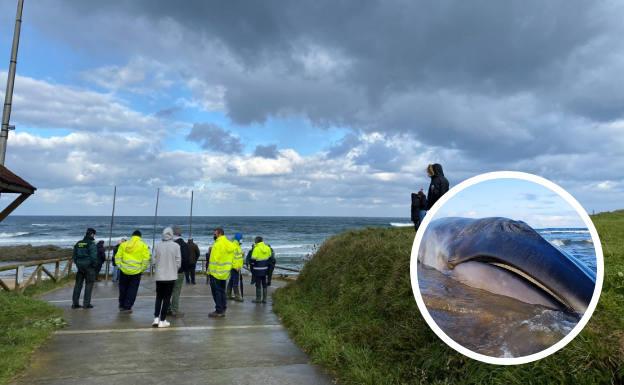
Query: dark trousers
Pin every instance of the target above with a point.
(217, 287)
(98, 269)
(190, 273)
(128, 289)
(163, 298)
(233, 282)
(85, 273)
(261, 281)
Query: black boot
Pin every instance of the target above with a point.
(237, 296)
(258, 294)
(264, 294)
(229, 292)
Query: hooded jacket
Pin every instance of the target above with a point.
(186, 254)
(438, 187)
(167, 257)
(419, 202)
(221, 258)
(133, 256)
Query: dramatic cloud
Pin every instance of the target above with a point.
(38, 103)
(214, 138)
(269, 151)
(480, 86)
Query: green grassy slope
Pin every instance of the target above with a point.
(25, 323)
(353, 311)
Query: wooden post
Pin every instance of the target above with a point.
(110, 235)
(154, 231)
(39, 271)
(191, 218)
(19, 276)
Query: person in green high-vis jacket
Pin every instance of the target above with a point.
(86, 261)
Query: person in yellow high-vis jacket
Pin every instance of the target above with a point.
(237, 265)
(219, 268)
(132, 259)
(260, 255)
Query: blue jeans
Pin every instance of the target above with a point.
(115, 274)
(217, 287)
(233, 282)
(422, 214)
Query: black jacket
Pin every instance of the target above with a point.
(438, 187)
(419, 202)
(186, 256)
(101, 253)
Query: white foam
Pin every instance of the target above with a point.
(13, 235)
(563, 231)
(401, 224)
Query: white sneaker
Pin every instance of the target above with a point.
(164, 324)
(155, 323)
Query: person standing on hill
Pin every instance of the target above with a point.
(237, 265)
(85, 259)
(259, 267)
(439, 184)
(133, 259)
(419, 205)
(194, 257)
(219, 268)
(167, 261)
(182, 271)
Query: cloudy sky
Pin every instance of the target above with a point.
(513, 198)
(309, 107)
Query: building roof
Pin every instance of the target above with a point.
(11, 183)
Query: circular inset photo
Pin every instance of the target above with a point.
(507, 268)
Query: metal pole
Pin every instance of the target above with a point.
(110, 236)
(191, 218)
(8, 98)
(154, 233)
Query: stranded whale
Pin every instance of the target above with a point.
(507, 257)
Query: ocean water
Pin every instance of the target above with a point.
(293, 238)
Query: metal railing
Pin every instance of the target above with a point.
(21, 280)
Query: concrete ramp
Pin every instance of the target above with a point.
(103, 346)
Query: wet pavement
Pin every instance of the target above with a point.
(103, 346)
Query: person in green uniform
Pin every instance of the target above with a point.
(86, 261)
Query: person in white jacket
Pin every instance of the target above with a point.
(167, 260)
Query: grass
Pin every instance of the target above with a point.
(32, 253)
(353, 311)
(25, 323)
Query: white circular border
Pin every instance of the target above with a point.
(599, 267)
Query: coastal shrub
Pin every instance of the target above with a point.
(353, 311)
(25, 323)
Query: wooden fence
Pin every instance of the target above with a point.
(21, 280)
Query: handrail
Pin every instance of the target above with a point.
(20, 281)
(33, 263)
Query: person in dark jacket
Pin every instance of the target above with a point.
(85, 259)
(419, 203)
(101, 256)
(177, 288)
(193, 257)
(439, 184)
(115, 275)
(272, 263)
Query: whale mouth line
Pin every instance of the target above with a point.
(516, 271)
